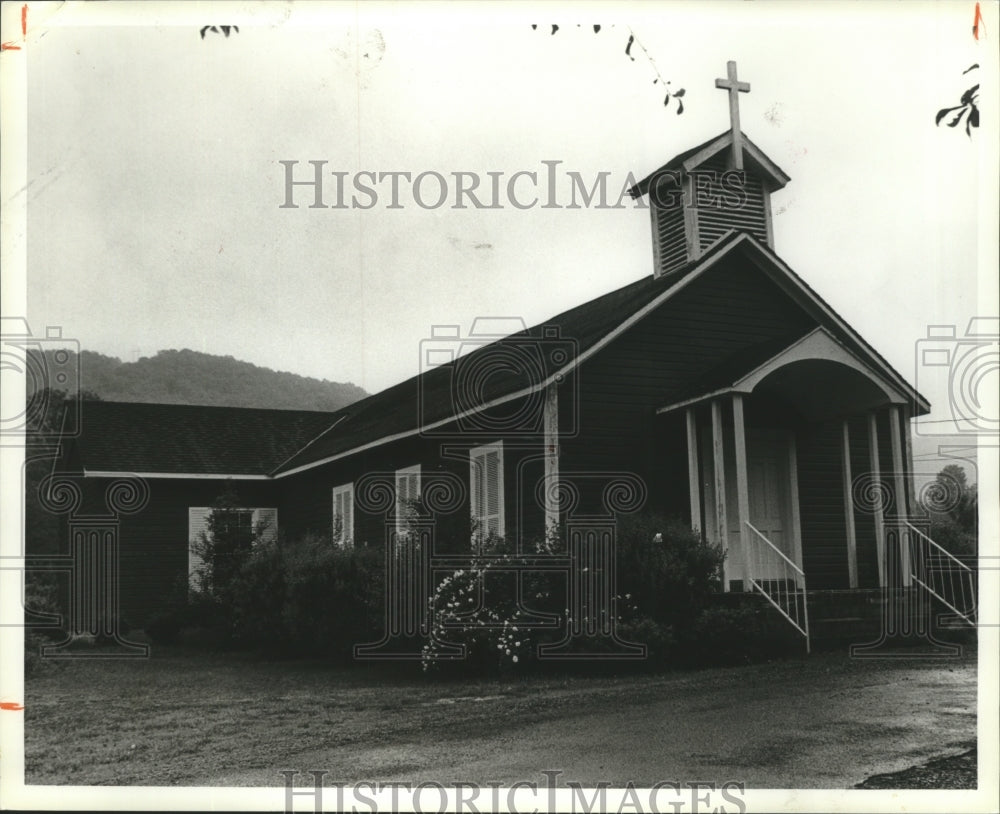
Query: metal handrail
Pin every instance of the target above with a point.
(754, 582)
(939, 547)
(777, 550)
(951, 600)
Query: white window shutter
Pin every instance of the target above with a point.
(343, 514)
(486, 489)
(197, 525)
(476, 492)
(349, 516)
(407, 489)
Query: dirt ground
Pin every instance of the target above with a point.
(823, 721)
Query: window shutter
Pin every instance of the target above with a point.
(491, 476)
(407, 489)
(197, 525)
(343, 510)
(348, 516)
(476, 493)
(486, 490)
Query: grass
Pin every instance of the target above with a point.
(181, 715)
(184, 717)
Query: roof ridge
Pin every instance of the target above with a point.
(119, 402)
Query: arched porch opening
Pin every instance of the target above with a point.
(791, 457)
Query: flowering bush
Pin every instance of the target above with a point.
(496, 609)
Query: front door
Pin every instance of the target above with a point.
(770, 492)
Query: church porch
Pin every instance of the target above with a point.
(796, 467)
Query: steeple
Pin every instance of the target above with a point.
(703, 193)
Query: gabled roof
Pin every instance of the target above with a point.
(146, 438)
(181, 439)
(430, 397)
(774, 176)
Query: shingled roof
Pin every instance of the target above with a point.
(162, 438)
(189, 439)
(430, 396)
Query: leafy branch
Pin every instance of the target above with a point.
(967, 108)
(219, 29)
(633, 40)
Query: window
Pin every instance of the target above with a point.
(486, 491)
(407, 490)
(241, 525)
(343, 515)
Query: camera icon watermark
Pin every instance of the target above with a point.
(47, 363)
(969, 367)
(490, 383)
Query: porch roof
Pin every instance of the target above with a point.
(743, 371)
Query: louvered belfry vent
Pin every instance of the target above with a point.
(701, 195)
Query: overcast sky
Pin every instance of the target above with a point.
(155, 189)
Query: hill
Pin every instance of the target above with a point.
(189, 377)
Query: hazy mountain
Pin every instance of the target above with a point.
(189, 377)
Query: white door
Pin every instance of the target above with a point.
(769, 485)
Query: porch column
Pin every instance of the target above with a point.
(793, 493)
(910, 486)
(550, 421)
(852, 540)
(742, 487)
(719, 471)
(694, 477)
(899, 488)
(877, 491)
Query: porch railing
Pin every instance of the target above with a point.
(942, 575)
(784, 585)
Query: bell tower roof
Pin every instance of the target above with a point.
(754, 159)
(716, 187)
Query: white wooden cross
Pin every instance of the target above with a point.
(735, 88)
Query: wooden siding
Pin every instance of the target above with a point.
(714, 220)
(306, 497)
(821, 506)
(669, 485)
(153, 542)
(619, 389)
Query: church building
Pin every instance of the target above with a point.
(721, 389)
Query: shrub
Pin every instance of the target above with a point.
(306, 597)
(658, 638)
(732, 635)
(669, 572)
(333, 597)
(255, 597)
(494, 612)
(200, 620)
(40, 596)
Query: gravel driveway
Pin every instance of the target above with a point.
(825, 721)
